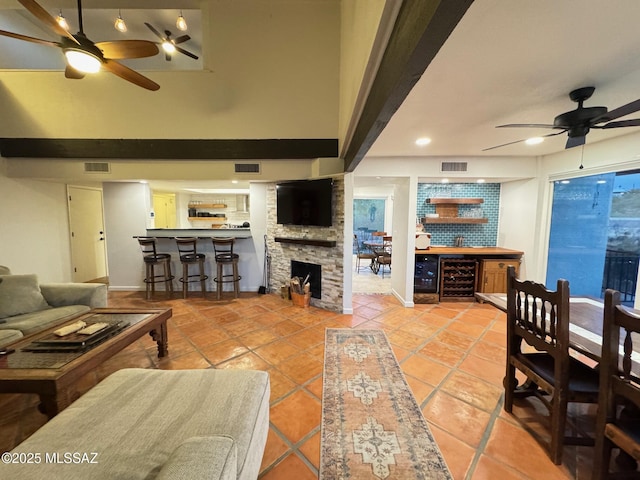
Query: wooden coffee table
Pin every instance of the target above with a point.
(50, 372)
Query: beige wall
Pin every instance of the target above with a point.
(262, 61)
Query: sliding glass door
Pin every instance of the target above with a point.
(595, 234)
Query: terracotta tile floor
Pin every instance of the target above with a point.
(452, 355)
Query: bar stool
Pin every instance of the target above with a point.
(189, 256)
(152, 258)
(223, 250)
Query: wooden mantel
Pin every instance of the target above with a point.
(306, 241)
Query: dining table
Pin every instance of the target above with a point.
(376, 246)
(586, 315)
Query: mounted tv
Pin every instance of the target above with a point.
(305, 202)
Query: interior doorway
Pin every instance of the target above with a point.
(86, 223)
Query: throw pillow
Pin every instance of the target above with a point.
(20, 294)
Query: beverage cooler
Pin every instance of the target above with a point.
(426, 274)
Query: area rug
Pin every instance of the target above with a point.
(372, 426)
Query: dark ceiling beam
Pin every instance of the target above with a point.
(420, 30)
(303, 148)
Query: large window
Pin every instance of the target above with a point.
(595, 234)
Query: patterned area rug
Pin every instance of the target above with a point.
(372, 426)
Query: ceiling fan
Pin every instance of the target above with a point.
(170, 45)
(84, 56)
(577, 123)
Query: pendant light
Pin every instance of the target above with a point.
(119, 24)
(181, 23)
(62, 21)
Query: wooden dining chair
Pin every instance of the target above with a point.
(362, 255)
(540, 318)
(618, 421)
(383, 254)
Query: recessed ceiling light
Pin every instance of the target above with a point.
(234, 181)
(423, 141)
(444, 180)
(565, 181)
(534, 140)
(480, 180)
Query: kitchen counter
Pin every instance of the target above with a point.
(475, 251)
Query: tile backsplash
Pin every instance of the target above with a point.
(482, 234)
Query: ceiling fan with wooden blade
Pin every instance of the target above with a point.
(577, 123)
(170, 45)
(84, 56)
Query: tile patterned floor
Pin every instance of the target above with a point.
(452, 355)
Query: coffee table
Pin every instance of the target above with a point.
(57, 364)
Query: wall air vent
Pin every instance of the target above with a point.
(247, 167)
(453, 167)
(97, 167)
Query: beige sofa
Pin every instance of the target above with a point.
(27, 306)
(154, 424)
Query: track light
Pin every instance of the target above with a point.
(120, 25)
(181, 23)
(62, 21)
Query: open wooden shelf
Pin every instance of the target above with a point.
(447, 208)
(454, 201)
(454, 220)
(207, 205)
(210, 219)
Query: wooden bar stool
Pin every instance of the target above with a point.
(152, 258)
(223, 250)
(189, 256)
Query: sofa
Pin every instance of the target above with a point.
(27, 306)
(154, 424)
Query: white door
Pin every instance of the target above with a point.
(86, 221)
(164, 208)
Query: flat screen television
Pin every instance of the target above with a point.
(305, 202)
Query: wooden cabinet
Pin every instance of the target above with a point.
(457, 279)
(492, 277)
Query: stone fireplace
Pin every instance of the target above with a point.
(320, 246)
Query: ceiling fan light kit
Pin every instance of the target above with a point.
(170, 45)
(577, 123)
(82, 61)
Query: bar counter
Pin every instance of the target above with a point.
(475, 251)
(205, 233)
(248, 264)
